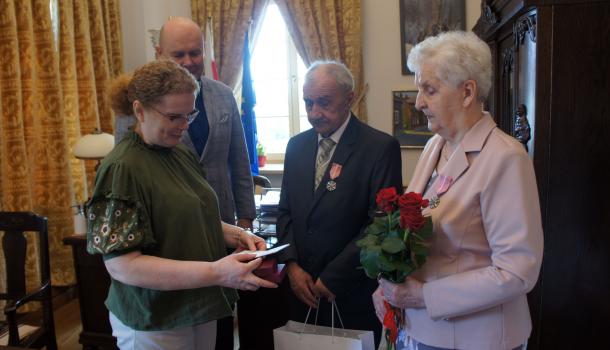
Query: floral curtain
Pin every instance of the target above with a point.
(51, 94)
(231, 19)
(328, 29)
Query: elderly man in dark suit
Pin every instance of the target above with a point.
(331, 177)
(216, 136)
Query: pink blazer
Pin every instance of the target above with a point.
(486, 249)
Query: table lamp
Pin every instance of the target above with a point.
(93, 146)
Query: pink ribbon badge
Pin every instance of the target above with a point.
(443, 183)
(335, 171)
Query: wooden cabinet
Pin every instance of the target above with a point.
(93, 282)
(552, 65)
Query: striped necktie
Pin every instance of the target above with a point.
(326, 145)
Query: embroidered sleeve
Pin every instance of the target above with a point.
(113, 225)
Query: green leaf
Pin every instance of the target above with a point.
(377, 227)
(394, 233)
(368, 259)
(385, 264)
(405, 267)
(426, 230)
(395, 219)
(368, 240)
(419, 249)
(393, 245)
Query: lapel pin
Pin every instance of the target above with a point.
(434, 202)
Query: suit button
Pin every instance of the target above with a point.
(310, 232)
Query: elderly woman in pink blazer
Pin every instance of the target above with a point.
(486, 248)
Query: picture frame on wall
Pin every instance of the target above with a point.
(409, 125)
(421, 19)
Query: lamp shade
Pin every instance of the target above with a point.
(93, 146)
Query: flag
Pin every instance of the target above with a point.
(211, 71)
(248, 101)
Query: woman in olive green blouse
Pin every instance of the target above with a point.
(156, 221)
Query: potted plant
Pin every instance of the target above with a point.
(260, 152)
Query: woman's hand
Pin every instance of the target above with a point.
(409, 294)
(248, 240)
(235, 271)
(378, 303)
(241, 239)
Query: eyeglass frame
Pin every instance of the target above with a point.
(189, 117)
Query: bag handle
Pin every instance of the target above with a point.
(307, 316)
(332, 317)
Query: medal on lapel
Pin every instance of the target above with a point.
(442, 185)
(335, 171)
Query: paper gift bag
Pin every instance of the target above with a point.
(298, 336)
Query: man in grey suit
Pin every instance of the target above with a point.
(216, 135)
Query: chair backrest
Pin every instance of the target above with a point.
(261, 181)
(14, 246)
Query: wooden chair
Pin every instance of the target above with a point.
(14, 246)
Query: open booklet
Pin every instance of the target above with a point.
(262, 253)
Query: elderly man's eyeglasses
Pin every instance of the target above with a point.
(179, 118)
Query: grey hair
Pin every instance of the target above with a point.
(458, 56)
(342, 75)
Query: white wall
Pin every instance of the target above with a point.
(382, 66)
(137, 17)
(381, 47)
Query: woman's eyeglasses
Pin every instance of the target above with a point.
(179, 118)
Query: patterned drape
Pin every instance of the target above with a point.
(231, 19)
(328, 29)
(48, 98)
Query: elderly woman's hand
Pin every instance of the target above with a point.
(235, 271)
(409, 294)
(378, 303)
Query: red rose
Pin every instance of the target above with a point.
(410, 205)
(411, 220)
(386, 199)
(412, 201)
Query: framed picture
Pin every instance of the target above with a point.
(421, 19)
(410, 126)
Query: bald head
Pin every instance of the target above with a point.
(181, 41)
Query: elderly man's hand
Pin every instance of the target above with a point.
(321, 291)
(409, 294)
(302, 284)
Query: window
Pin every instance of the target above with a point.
(277, 74)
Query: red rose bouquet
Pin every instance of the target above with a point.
(393, 245)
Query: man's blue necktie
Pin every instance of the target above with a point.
(199, 128)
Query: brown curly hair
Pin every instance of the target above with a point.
(148, 84)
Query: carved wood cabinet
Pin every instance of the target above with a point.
(551, 91)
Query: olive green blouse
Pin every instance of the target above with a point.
(156, 200)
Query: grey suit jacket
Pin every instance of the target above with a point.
(225, 157)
